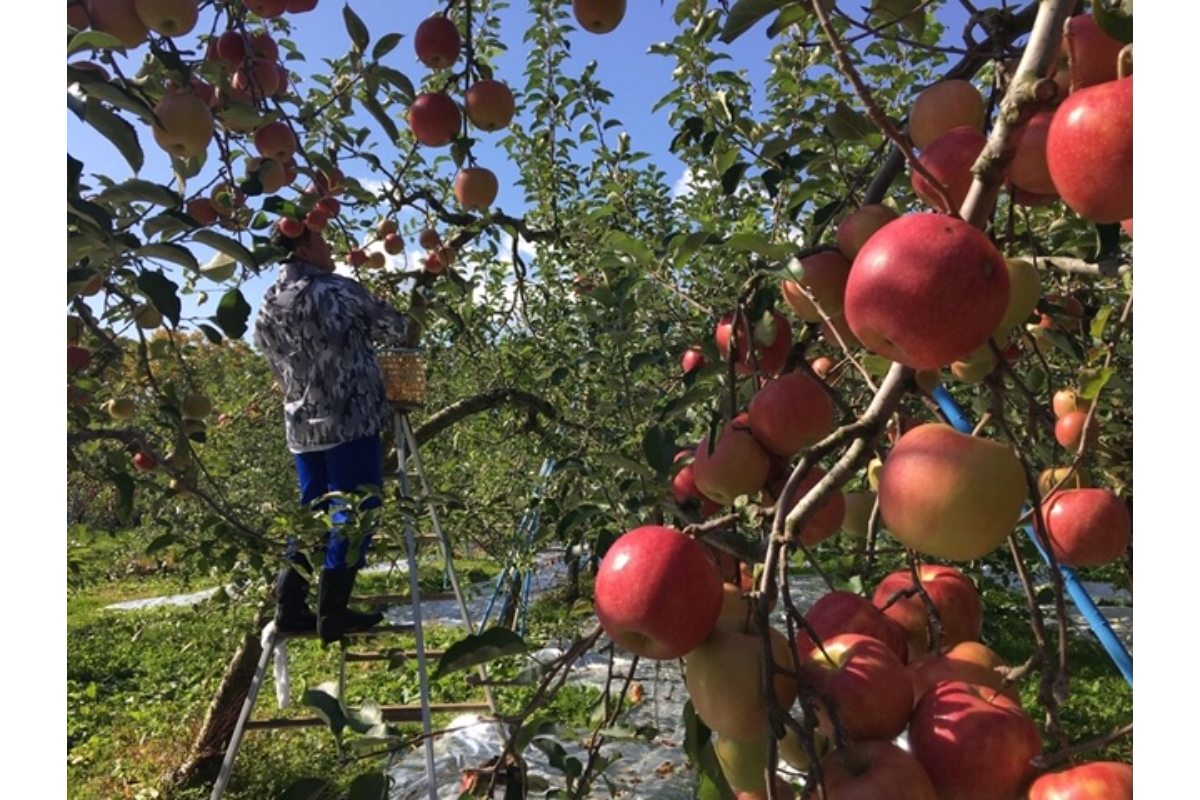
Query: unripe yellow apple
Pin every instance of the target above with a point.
(195, 406)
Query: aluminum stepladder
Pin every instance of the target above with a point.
(406, 449)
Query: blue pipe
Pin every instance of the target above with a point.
(1079, 595)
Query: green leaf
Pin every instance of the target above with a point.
(745, 13)
(365, 717)
(659, 449)
(787, 18)
(324, 701)
(371, 786)
(910, 14)
(381, 116)
(93, 40)
(760, 244)
(230, 247)
(160, 543)
(307, 789)
(124, 485)
(117, 95)
(731, 177)
(479, 648)
(1092, 381)
(624, 243)
(163, 293)
(116, 130)
(847, 124)
(165, 251)
(397, 79)
(89, 212)
(359, 34)
(1100, 322)
(211, 333)
(233, 312)
(1116, 22)
(386, 44)
(619, 461)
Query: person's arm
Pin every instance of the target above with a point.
(388, 326)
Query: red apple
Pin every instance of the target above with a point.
(393, 244)
(301, 6)
(772, 338)
(1094, 780)
(926, 290)
(1028, 169)
(724, 679)
(78, 359)
(291, 227)
(476, 188)
(874, 771)
(168, 17)
(429, 239)
(144, 462)
(738, 465)
(790, 413)
(854, 231)
(693, 359)
(839, 612)
(865, 681)
(1087, 527)
(1068, 430)
(437, 42)
(972, 662)
(823, 276)
(316, 220)
(949, 158)
(120, 19)
(658, 594)
(490, 105)
(953, 595)
(276, 140)
(1091, 53)
(942, 106)
(232, 47)
(975, 744)
(599, 16)
(950, 495)
(1089, 149)
(267, 9)
(202, 210)
(435, 119)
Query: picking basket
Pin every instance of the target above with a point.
(403, 376)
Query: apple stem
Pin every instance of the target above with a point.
(1125, 61)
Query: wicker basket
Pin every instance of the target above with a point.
(403, 377)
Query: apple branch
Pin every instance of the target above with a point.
(456, 412)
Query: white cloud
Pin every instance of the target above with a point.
(684, 186)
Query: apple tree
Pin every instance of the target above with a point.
(883, 206)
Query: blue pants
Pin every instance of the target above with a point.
(350, 467)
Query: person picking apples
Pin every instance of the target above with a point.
(317, 328)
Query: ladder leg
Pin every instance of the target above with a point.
(406, 431)
(235, 740)
(403, 434)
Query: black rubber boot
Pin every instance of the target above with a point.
(292, 614)
(334, 619)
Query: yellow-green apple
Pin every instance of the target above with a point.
(796, 756)
(1089, 149)
(1068, 430)
(387, 225)
(789, 413)
(862, 684)
(771, 336)
(490, 104)
(874, 770)
(1028, 169)
(376, 259)
(942, 106)
(195, 406)
(859, 506)
(737, 465)
(1068, 400)
(1025, 290)
(144, 462)
(658, 594)
(839, 612)
(973, 662)
(435, 119)
(185, 124)
(120, 19)
(168, 17)
(120, 408)
(743, 762)
(437, 42)
(953, 595)
(822, 275)
(276, 140)
(975, 366)
(146, 316)
(724, 679)
(949, 158)
(1092, 780)
(599, 16)
(1079, 478)
(975, 744)
(1091, 53)
(854, 231)
(476, 188)
(1087, 527)
(926, 289)
(950, 495)
(270, 174)
(78, 359)
(829, 515)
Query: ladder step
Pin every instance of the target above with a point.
(403, 599)
(379, 656)
(378, 630)
(410, 713)
(420, 538)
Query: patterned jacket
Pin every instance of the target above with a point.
(316, 329)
